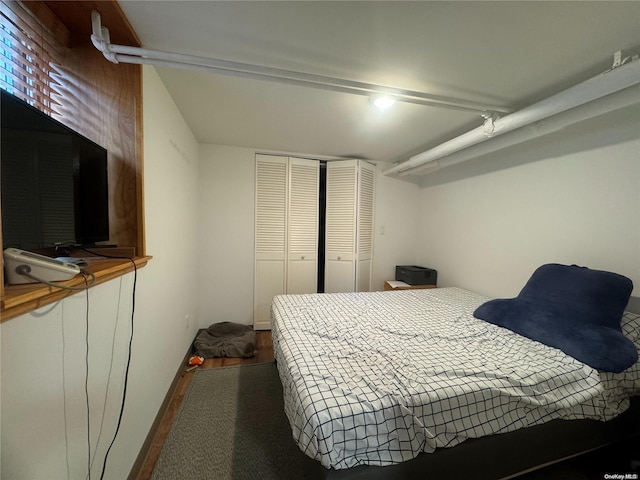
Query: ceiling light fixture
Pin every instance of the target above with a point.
(383, 102)
(142, 56)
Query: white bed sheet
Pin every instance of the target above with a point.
(376, 378)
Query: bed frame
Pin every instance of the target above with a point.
(509, 454)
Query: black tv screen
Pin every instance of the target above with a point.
(54, 181)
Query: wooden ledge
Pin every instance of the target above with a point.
(20, 299)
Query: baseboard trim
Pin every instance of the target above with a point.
(136, 469)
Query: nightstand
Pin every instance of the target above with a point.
(397, 285)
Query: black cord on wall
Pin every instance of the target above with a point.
(128, 364)
(25, 270)
(86, 378)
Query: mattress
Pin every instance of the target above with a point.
(376, 378)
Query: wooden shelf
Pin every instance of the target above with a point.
(20, 299)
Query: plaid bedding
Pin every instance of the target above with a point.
(376, 378)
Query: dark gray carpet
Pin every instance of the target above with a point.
(232, 426)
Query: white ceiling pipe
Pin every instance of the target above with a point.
(293, 81)
(135, 55)
(615, 101)
(597, 87)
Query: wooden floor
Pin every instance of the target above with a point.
(264, 353)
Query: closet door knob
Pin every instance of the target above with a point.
(302, 257)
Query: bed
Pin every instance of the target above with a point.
(411, 381)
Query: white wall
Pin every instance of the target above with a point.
(226, 235)
(168, 286)
(44, 428)
(396, 239)
(573, 197)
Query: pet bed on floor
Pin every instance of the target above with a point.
(226, 339)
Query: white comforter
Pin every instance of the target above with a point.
(376, 378)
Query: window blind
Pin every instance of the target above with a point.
(28, 56)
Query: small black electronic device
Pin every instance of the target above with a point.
(415, 275)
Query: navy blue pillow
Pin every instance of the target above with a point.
(574, 309)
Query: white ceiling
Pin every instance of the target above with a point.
(503, 53)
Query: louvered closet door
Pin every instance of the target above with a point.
(271, 236)
(340, 228)
(366, 188)
(302, 245)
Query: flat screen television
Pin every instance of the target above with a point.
(54, 189)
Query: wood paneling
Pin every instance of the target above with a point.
(103, 101)
(76, 16)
